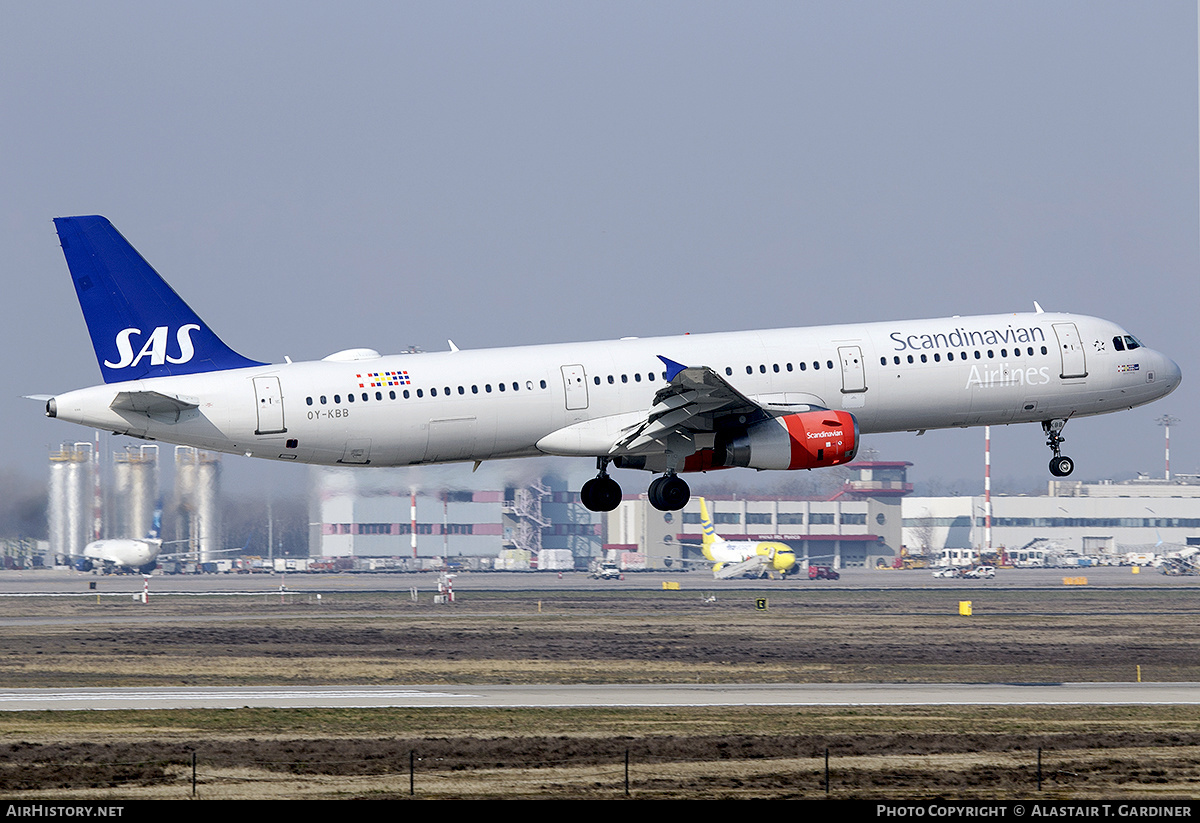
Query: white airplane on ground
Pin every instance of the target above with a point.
(778, 399)
(125, 553)
(724, 552)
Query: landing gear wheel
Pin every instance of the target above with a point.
(600, 494)
(669, 493)
(1061, 466)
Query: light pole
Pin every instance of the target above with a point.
(1165, 421)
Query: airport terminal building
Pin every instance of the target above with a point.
(533, 506)
(449, 512)
(1094, 519)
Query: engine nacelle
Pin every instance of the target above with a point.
(808, 440)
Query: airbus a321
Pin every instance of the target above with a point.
(782, 399)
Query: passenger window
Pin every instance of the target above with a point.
(337, 398)
(500, 386)
(515, 387)
(910, 358)
(610, 380)
(595, 380)
(487, 387)
(937, 358)
(474, 389)
(728, 371)
(544, 384)
(816, 365)
(364, 397)
(392, 395)
(461, 390)
(762, 369)
(433, 392)
(637, 377)
(749, 370)
(789, 366)
(803, 366)
(308, 400)
(322, 400)
(379, 395)
(624, 378)
(924, 359)
(420, 393)
(406, 394)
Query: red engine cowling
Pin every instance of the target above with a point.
(795, 441)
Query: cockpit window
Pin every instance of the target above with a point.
(1132, 342)
(1119, 343)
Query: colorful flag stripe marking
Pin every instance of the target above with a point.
(375, 379)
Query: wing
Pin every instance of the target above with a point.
(694, 406)
(697, 400)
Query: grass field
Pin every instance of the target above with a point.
(803, 636)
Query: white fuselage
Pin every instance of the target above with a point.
(128, 552)
(573, 399)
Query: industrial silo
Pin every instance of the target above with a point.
(135, 492)
(71, 493)
(197, 492)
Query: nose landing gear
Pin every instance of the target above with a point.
(1060, 465)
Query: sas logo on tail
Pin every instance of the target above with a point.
(155, 347)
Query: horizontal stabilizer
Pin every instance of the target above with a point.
(154, 402)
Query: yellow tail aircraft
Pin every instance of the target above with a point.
(723, 552)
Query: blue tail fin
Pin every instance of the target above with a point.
(139, 326)
(156, 526)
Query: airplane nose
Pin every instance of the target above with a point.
(1170, 373)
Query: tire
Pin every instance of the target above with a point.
(1062, 466)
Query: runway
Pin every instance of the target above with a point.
(605, 696)
(65, 583)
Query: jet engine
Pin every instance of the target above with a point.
(808, 440)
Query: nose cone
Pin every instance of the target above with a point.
(1169, 374)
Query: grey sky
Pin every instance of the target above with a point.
(316, 176)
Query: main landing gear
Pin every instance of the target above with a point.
(1060, 465)
(601, 493)
(668, 493)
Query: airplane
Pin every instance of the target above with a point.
(128, 554)
(783, 399)
(125, 553)
(722, 552)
